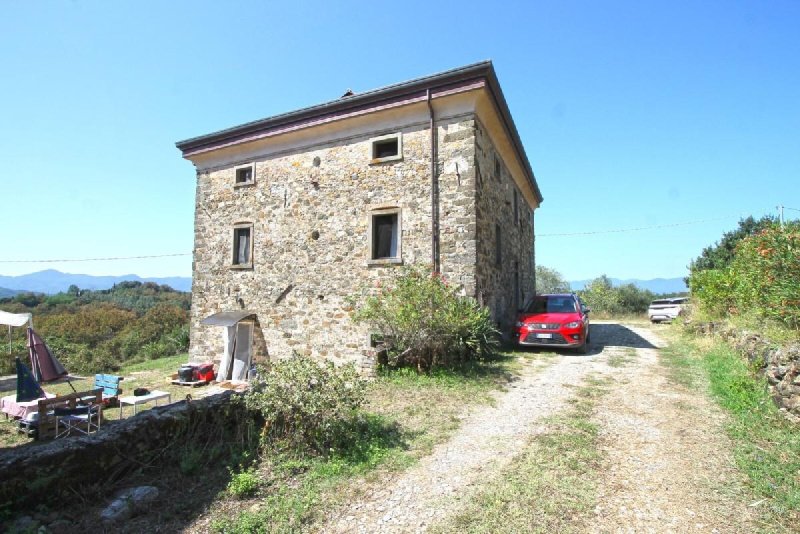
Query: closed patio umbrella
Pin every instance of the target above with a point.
(27, 387)
(44, 364)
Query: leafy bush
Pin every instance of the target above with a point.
(422, 321)
(767, 271)
(243, 484)
(603, 298)
(712, 290)
(550, 281)
(306, 405)
(721, 254)
(763, 278)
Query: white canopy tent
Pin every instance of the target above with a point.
(15, 319)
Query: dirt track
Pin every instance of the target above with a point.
(667, 466)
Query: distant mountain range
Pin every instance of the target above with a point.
(656, 285)
(4, 293)
(52, 281)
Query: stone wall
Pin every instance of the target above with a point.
(503, 285)
(780, 364)
(310, 213)
(57, 471)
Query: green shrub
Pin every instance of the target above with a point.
(244, 484)
(712, 290)
(767, 270)
(422, 321)
(307, 405)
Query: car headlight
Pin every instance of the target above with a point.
(574, 324)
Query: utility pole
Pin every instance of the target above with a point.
(780, 214)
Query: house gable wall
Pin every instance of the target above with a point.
(309, 209)
(494, 203)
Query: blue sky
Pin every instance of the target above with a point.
(633, 114)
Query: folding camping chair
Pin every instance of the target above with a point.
(81, 412)
(81, 419)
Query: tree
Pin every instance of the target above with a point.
(550, 281)
(720, 255)
(601, 296)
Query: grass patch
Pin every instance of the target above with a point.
(551, 486)
(766, 445)
(622, 357)
(169, 364)
(407, 414)
(150, 374)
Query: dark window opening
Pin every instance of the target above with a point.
(384, 236)
(244, 175)
(516, 209)
(385, 149)
(497, 169)
(241, 246)
(498, 254)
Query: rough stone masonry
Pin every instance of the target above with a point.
(312, 197)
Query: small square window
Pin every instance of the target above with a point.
(244, 175)
(384, 236)
(242, 246)
(387, 148)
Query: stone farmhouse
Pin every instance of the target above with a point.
(297, 212)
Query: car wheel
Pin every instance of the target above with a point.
(583, 349)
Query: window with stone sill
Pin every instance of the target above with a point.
(386, 148)
(242, 250)
(245, 175)
(385, 234)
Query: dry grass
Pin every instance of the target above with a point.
(154, 374)
(550, 484)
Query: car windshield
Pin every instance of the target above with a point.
(551, 305)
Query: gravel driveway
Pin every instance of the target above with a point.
(652, 482)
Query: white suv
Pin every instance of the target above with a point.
(666, 309)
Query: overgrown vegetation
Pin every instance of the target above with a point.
(766, 444)
(396, 419)
(94, 331)
(761, 279)
(550, 281)
(307, 406)
(607, 300)
(550, 486)
(421, 321)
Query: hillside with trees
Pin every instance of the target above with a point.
(752, 273)
(95, 331)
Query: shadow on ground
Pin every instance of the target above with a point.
(601, 336)
(615, 335)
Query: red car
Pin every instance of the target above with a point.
(559, 320)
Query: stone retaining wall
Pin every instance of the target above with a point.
(779, 364)
(58, 470)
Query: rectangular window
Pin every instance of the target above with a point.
(384, 236)
(387, 148)
(243, 245)
(245, 175)
(516, 209)
(497, 168)
(498, 251)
